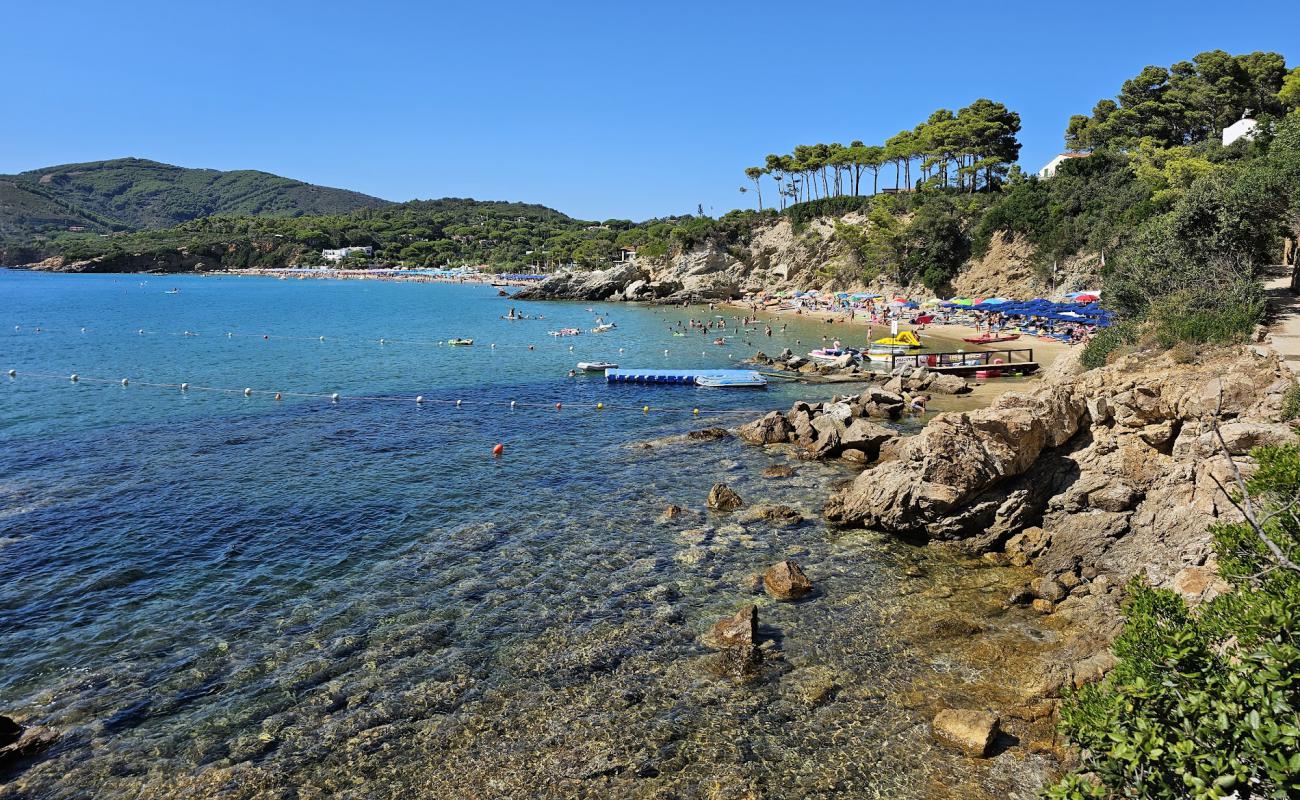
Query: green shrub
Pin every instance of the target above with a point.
(1291, 403)
(1204, 318)
(1204, 703)
(800, 214)
(1106, 341)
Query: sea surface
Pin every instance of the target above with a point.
(219, 595)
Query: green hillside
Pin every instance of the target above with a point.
(130, 194)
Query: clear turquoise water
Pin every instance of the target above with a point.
(219, 595)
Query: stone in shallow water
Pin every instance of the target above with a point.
(742, 662)
(786, 581)
(722, 498)
(972, 732)
(813, 685)
(739, 629)
(778, 471)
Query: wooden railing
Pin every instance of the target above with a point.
(959, 358)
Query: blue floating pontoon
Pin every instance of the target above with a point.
(719, 378)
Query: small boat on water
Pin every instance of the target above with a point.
(460, 342)
(829, 354)
(607, 326)
(172, 291)
(739, 380)
(596, 366)
(566, 332)
(991, 338)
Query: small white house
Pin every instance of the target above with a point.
(1049, 170)
(344, 252)
(1243, 128)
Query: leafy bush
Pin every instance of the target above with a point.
(1188, 316)
(1205, 703)
(1291, 403)
(1105, 341)
(800, 214)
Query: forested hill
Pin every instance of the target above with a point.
(132, 194)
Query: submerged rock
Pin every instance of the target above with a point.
(742, 662)
(779, 471)
(722, 498)
(708, 434)
(972, 732)
(22, 743)
(786, 581)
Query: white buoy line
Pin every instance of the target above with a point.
(344, 339)
(336, 397)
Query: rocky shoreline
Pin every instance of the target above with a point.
(1089, 479)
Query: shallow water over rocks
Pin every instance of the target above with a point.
(332, 601)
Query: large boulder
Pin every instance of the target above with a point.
(771, 429)
(784, 580)
(957, 457)
(972, 732)
(880, 403)
(867, 436)
(943, 383)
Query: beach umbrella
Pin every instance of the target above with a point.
(841, 294)
(911, 304)
(996, 301)
(1086, 298)
(933, 301)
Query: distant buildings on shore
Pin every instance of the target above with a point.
(344, 252)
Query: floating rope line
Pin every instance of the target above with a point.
(417, 399)
(354, 340)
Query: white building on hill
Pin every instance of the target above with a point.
(1243, 128)
(1049, 169)
(344, 252)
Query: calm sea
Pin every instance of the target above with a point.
(219, 595)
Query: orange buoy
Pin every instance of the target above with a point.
(498, 450)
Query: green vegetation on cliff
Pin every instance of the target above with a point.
(1205, 703)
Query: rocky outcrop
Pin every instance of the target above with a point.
(840, 428)
(1113, 471)
(605, 284)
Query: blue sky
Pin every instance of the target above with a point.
(601, 110)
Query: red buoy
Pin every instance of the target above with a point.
(498, 450)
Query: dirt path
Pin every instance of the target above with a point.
(1284, 331)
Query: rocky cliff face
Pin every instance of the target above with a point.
(779, 258)
(1114, 471)
(1008, 270)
